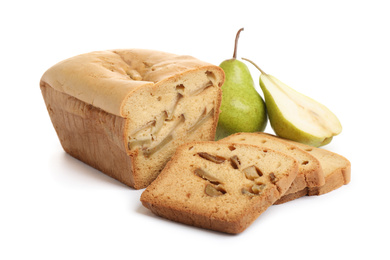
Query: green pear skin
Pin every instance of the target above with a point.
(242, 108)
(285, 128)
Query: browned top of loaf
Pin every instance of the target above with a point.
(105, 79)
(183, 183)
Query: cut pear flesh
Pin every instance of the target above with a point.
(303, 112)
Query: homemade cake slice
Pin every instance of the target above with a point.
(336, 170)
(125, 112)
(310, 172)
(220, 186)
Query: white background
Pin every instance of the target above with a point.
(55, 207)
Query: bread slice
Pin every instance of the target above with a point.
(336, 170)
(220, 186)
(310, 172)
(125, 112)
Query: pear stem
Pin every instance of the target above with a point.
(254, 64)
(236, 42)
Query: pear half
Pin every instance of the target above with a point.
(295, 116)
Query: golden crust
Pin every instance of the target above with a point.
(106, 79)
(90, 135)
(98, 100)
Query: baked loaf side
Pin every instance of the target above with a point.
(219, 186)
(310, 172)
(336, 170)
(90, 134)
(155, 101)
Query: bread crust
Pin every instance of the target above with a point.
(335, 180)
(336, 175)
(93, 98)
(338, 178)
(106, 79)
(90, 134)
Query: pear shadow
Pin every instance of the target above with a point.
(66, 168)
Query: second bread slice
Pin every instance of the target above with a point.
(220, 186)
(336, 169)
(310, 173)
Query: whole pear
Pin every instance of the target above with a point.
(295, 116)
(242, 108)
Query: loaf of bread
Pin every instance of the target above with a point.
(220, 186)
(310, 172)
(125, 112)
(336, 170)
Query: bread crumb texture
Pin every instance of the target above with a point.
(310, 173)
(220, 186)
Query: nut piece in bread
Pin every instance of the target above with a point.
(125, 112)
(219, 186)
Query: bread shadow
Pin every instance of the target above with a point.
(66, 168)
(146, 212)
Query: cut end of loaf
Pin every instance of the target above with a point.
(168, 114)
